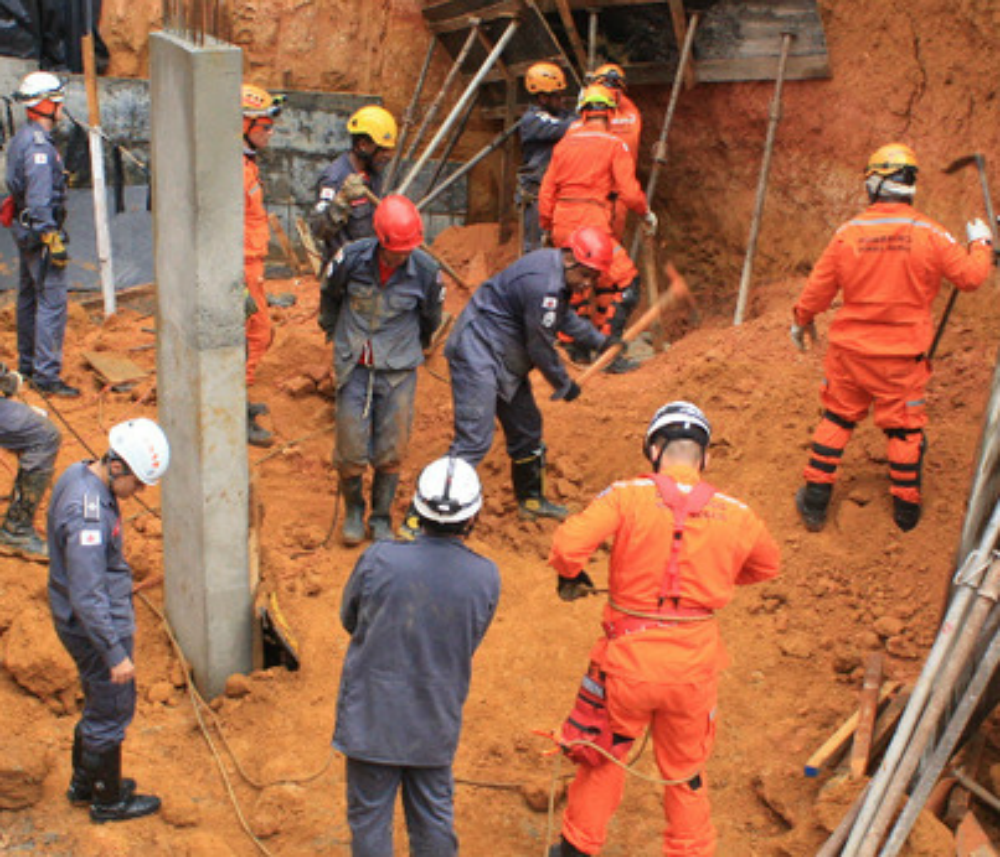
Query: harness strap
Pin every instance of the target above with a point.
(681, 505)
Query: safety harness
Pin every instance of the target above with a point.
(683, 505)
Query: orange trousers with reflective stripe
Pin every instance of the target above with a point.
(681, 719)
(894, 389)
(258, 328)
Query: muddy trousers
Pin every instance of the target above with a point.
(107, 708)
(428, 803)
(259, 330)
(374, 420)
(41, 317)
(893, 388)
(681, 718)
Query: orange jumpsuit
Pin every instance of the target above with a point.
(626, 124)
(256, 234)
(888, 263)
(664, 676)
(588, 165)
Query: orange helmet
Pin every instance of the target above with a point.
(592, 248)
(890, 159)
(596, 98)
(398, 224)
(611, 75)
(258, 103)
(545, 77)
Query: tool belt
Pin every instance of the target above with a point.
(634, 622)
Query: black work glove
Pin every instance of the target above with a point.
(573, 392)
(570, 589)
(610, 342)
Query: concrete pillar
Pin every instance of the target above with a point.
(198, 241)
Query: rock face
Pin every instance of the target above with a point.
(35, 658)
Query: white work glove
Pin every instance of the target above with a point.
(977, 230)
(649, 223)
(801, 332)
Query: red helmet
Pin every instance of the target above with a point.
(398, 224)
(592, 248)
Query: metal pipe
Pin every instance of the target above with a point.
(463, 102)
(488, 149)
(758, 209)
(432, 111)
(409, 115)
(967, 579)
(660, 152)
(453, 141)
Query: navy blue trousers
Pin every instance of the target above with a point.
(41, 317)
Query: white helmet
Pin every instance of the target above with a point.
(448, 491)
(40, 86)
(679, 420)
(143, 446)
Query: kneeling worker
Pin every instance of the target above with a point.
(404, 683)
(679, 549)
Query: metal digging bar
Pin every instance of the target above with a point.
(765, 169)
(660, 150)
(967, 579)
(410, 115)
(987, 599)
(463, 102)
(488, 149)
(435, 107)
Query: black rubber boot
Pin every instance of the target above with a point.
(621, 365)
(384, 487)
(55, 388)
(812, 500)
(111, 800)
(563, 848)
(257, 409)
(410, 528)
(17, 534)
(257, 435)
(352, 489)
(905, 514)
(81, 791)
(527, 476)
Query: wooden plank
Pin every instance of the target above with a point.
(286, 246)
(862, 744)
(969, 760)
(312, 252)
(885, 725)
(574, 36)
(679, 20)
(114, 368)
(808, 67)
(507, 10)
(837, 743)
(452, 10)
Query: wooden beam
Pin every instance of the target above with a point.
(808, 67)
(574, 37)
(451, 25)
(680, 33)
(862, 745)
(502, 67)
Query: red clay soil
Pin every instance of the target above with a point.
(797, 644)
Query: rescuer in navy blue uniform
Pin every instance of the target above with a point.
(343, 212)
(507, 329)
(90, 595)
(416, 612)
(380, 304)
(37, 185)
(30, 434)
(544, 124)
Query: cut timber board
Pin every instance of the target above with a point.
(114, 369)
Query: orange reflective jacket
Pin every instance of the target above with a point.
(724, 546)
(256, 232)
(889, 262)
(588, 165)
(626, 124)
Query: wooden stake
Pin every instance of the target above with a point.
(861, 748)
(286, 246)
(309, 245)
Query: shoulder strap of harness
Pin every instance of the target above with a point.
(682, 505)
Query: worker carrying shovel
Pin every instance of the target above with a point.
(679, 550)
(888, 263)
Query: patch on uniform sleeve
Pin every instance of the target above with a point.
(339, 257)
(41, 158)
(550, 302)
(548, 319)
(327, 193)
(91, 507)
(90, 538)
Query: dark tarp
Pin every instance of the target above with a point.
(50, 32)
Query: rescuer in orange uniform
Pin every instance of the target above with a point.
(888, 263)
(679, 550)
(625, 123)
(591, 168)
(260, 109)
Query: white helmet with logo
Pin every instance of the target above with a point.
(675, 421)
(143, 446)
(448, 491)
(40, 86)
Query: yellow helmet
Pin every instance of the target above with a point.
(377, 123)
(545, 77)
(891, 159)
(258, 103)
(596, 97)
(611, 75)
